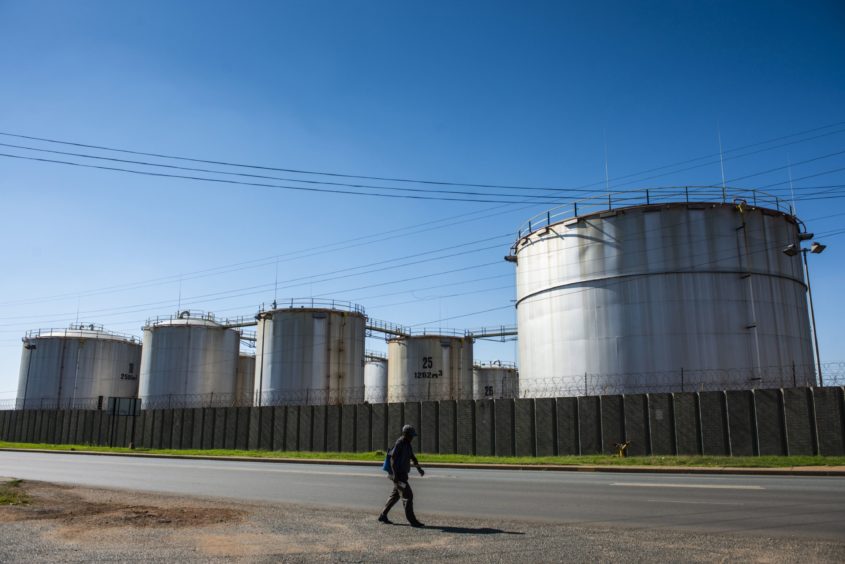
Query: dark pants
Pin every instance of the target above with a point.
(407, 496)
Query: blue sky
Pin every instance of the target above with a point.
(522, 93)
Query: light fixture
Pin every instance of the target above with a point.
(791, 250)
(817, 248)
(805, 236)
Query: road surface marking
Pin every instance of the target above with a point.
(696, 502)
(698, 486)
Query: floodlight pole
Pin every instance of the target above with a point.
(813, 317)
(30, 347)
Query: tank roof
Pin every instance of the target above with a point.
(80, 331)
(318, 304)
(186, 317)
(659, 195)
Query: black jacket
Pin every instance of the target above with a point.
(401, 456)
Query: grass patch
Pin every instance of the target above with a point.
(585, 460)
(12, 494)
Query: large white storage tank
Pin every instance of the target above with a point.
(80, 367)
(375, 378)
(429, 367)
(310, 352)
(494, 380)
(189, 360)
(689, 294)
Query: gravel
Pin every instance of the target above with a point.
(76, 524)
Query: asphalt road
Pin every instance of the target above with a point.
(770, 506)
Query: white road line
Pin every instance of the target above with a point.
(698, 486)
(695, 502)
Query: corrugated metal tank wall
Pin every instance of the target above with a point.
(310, 355)
(628, 298)
(429, 367)
(493, 380)
(186, 360)
(74, 367)
(375, 379)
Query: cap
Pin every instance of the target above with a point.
(409, 430)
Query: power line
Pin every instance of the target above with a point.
(382, 178)
(273, 186)
(318, 182)
(326, 277)
(784, 167)
(428, 225)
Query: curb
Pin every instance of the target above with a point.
(790, 471)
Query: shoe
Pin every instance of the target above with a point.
(384, 519)
(417, 525)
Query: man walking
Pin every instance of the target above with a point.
(401, 457)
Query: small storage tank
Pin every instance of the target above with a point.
(189, 360)
(245, 383)
(429, 367)
(375, 378)
(79, 367)
(310, 352)
(694, 292)
(494, 380)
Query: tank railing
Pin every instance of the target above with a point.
(395, 330)
(377, 355)
(587, 384)
(435, 332)
(81, 328)
(386, 327)
(185, 314)
(648, 196)
(495, 364)
(86, 327)
(487, 332)
(248, 335)
(239, 322)
(312, 303)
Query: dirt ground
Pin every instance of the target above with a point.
(77, 524)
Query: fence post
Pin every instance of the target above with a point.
(585, 384)
(682, 378)
(794, 381)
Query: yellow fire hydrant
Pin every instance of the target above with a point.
(621, 448)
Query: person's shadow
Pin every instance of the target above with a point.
(471, 530)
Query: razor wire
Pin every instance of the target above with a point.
(573, 385)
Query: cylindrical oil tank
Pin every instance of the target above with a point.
(429, 367)
(662, 297)
(189, 359)
(310, 354)
(80, 367)
(245, 383)
(375, 378)
(494, 380)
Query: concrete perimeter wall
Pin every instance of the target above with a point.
(794, 421)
